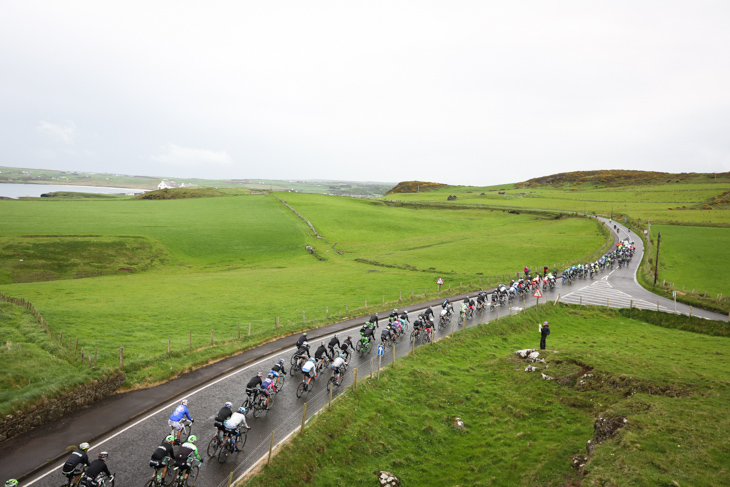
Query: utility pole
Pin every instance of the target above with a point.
(656, 263)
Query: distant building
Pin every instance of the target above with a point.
(172, 184)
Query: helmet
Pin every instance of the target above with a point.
(395, 310)
(170, 438)
(84, 446)
(545, 323)
(311, 359)
(259, 374)
(349, 337)
(281, 361)
(405, 312)
(270, 376)
(304, 334)
(192, 438)
(103, 455)
(184, 402)
(11, 483)
(342, 356)
(228, 405)
(334, 336)
(242, 410)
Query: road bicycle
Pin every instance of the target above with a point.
(215, 444)
(336, 379)
(187, 426)
(305, 385)
(296, 363)
(279, 383)
(73, 478)
(234, 444)
(364, 346)
(250, 400)
(262, 403)
(162, 475)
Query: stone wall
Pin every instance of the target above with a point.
(51, 409)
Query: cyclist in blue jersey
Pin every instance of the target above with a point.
(180, 412)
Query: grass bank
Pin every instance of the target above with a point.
(668, 383)
(192, 271)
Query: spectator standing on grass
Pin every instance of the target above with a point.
(544, 332)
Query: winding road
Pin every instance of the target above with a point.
(141, 416)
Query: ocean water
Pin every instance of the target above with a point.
(11, 190)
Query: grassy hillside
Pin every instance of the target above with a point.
(180, 269)
(668, 384)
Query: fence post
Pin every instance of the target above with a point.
(393, 354)
(400, 298)
(383, 298)
(558, 299)
(60, 339)
(354, 381)
(347, 309)
(121, 357)
(230, 479)
(82, 354)
(304, 417)
(190, 338)
(94, 357)
(631, 305)
(327, 312)
(211, 337)
(366, 303)
(581, 301)
(168, 346)
(271, 447)
(690, 311)
(249, 329)
(657, 305)
(239, 331)
(608, 306)
(371, 368)
(303, 319)
(76, 345)
(380, 357)
(329, 405)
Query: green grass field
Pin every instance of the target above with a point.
(671, 385)
(694, 257)
(179, 269)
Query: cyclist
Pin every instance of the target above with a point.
(223, 415)
(346, 346)
(393, 315)
(386, 334)
(266, 387)
(428, 313)
(161, 453)
(397, 327)
(331, 345)
(404, 316)
(302, 351)
(418, 324)
(231, 425)
(302, 339)
(277, 370)
(367, 332)
(429, 328)
(374, 320)
(320, 354)
(179, 413)
(309, 369)
(336, 365)
(76, 461)
(185, 455)
(97, 468)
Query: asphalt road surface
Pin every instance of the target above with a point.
(131, 446)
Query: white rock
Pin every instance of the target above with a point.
(524, 353)
(530, 368)
(534, 356)
(546, 377)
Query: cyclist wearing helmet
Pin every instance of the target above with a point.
(179, 413)
(302, 351)
(338, 363)
(186, 454)
(404, 316)
(223, 415)
(163, 451)
(428, 313)
(277, 370)
(346, 346)
(321, 351)
(267, 386)
(97, 468)
(233, 423)
(301, 340)
(386, 334)
(254, 383)
(310, 369)
(331, 345)
(367, 332)
(76, 461)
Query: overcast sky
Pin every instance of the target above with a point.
(460, 92)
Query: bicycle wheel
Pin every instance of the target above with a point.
(368, 347)
(185, 433)
(280, 385)
(358, 345)
(300, 390)
(242, 440)
(169, 477)
(153, 481)
(413, 336)
(192, 476)
(258, 406)
(330, 383)
(225, 451)
(213, 446)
